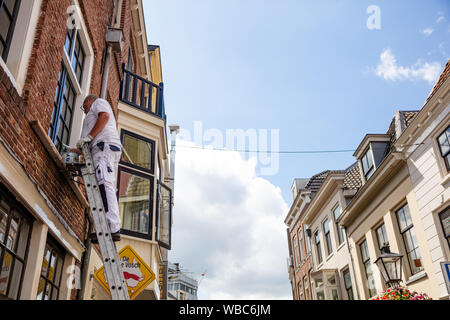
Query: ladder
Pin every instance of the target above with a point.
(113, 269)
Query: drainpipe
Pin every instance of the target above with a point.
(105, 73)
(352, 264)
(174, 129)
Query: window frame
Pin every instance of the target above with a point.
(371, 169)
(55, 247)
(446, 236)
(152, 155)
(73, 56)
(295, 251)
(167, 246)
(339, 229)
(306, 287)
(58, 103)
(367, 264)
(327, 235)
(447, 154)
(404, 232)
(385, 236)
(14, 208)
(132, 233)
(348, 289)
(9, 36)
(318, 246)
(300, 244)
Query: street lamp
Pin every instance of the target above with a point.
(390, 265)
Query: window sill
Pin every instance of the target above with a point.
(416, 277)
(54, 154)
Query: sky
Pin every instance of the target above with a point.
(294, 75)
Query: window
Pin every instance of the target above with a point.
(318, 249)
(444, 146)
(15, 230)
(75, 52)
(138, 152)
(306, 286)
(340, 229)
(444, 217)
(326, 232)
(135, 202)
(300, 290)
(382, 236)
(409, 239)
(300, 244)
(164, 215)
(294, 241)
(308, 243)
(348, 284)
(130, 63)
(51, 272)
(63, 110)
(9, 10)
(367, 164)
(370, 281)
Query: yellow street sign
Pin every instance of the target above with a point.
(135, 271)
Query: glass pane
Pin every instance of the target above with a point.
(370, 281)
(337, 212)
(137, 152)
(401, 219)
(53, 262)
(445, 221)
(444, 142)
(3, 220)
(320, 295)
(331, 280)
(4, 24)
(46, 261)
(16, 279)
(40, 289)
(347, 279)
(47, 292)
(164, 215)
(5, 272)
(12, 233)
(334, 294)
(407, 216)
(326, 227)
(10, 5)
(134, 204)
(55, 293)
(23, 240)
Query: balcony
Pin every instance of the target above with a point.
(142, 94)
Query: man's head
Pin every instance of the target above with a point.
(88, 101)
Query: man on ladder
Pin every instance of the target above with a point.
(100, 131)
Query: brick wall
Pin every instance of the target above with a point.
(36, 102)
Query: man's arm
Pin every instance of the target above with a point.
(100, 124)
(102, 120)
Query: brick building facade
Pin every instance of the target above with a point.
(46, 70)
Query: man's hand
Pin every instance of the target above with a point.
(84, 140)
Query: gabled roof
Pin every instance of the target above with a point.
(352, 180)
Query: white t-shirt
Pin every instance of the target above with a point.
(109, 133)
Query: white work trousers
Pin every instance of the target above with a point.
(106, 158)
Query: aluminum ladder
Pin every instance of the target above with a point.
(113, 269)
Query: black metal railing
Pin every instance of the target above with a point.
(142, 93)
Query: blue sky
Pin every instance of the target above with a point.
(311, 69)
(297, 66)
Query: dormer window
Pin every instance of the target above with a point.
(371, 152)
(367, 164)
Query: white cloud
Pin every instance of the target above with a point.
(388, 69)
(440, 19)
(229, 221)
(427, 31)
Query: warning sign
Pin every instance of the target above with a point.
(135, 271)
